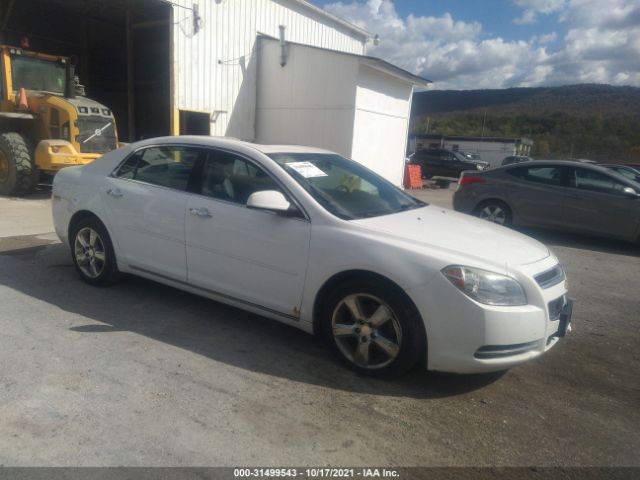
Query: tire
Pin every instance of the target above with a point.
(18, 174)
(495, 211)
(92, 253)
(392, 346)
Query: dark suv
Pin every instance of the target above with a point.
(438, 162)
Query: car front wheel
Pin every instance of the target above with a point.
(373, 329)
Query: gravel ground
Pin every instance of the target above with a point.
(144, 375)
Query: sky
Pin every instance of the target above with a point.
(471, 44)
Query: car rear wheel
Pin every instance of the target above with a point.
(495, 211)
(92, 253)
(372, 329)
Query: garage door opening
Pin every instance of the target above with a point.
(123, 49)
(194, 123)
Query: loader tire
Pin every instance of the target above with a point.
(17, 169)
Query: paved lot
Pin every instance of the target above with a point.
(141, 374)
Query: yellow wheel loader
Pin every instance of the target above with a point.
(46, 122)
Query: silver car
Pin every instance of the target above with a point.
(571, 196)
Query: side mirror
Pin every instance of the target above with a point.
(630, 192)
(271, 200)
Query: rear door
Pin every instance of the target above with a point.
(536, 194)
(596, 204)
(426, 159)
(146, 201)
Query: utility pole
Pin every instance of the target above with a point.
(484, 119)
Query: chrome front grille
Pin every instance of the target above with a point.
(551, 277)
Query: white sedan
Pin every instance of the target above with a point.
(319, 242)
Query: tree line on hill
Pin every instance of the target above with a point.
(598, 122)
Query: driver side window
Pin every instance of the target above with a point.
(228, 177)
(584, 179)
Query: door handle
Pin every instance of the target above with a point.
(200, 212)
(114, 192)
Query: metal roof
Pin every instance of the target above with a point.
(372, 62)
(394, 70)
(334, 18)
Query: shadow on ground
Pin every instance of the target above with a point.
(571, 240)
(42, 192)
(219, 332)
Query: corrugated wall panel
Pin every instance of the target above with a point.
(216, 68)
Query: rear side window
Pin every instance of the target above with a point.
(166, 166)
(542, 175)
(584, 179)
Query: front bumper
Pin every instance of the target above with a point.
(53, 155)
(465, 336)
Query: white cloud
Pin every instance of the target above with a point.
(534, 8)
(544, 39)
(600, 45)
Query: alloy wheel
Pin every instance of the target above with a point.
(366, 331)
(89, 252)
(494, 214)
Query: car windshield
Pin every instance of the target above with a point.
(37, 74)
(626, 172)
(343, 187)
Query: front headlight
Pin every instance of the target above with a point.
(486, 287)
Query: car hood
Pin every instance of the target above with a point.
(443, 229)
(479, 162)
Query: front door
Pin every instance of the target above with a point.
(253, 256)
(146, 203)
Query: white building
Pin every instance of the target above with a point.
(355, 105)
(285, 71)
(217, 67)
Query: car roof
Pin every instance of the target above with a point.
(229, 142)
(287, 149)
(566, 163)
(562, 163)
